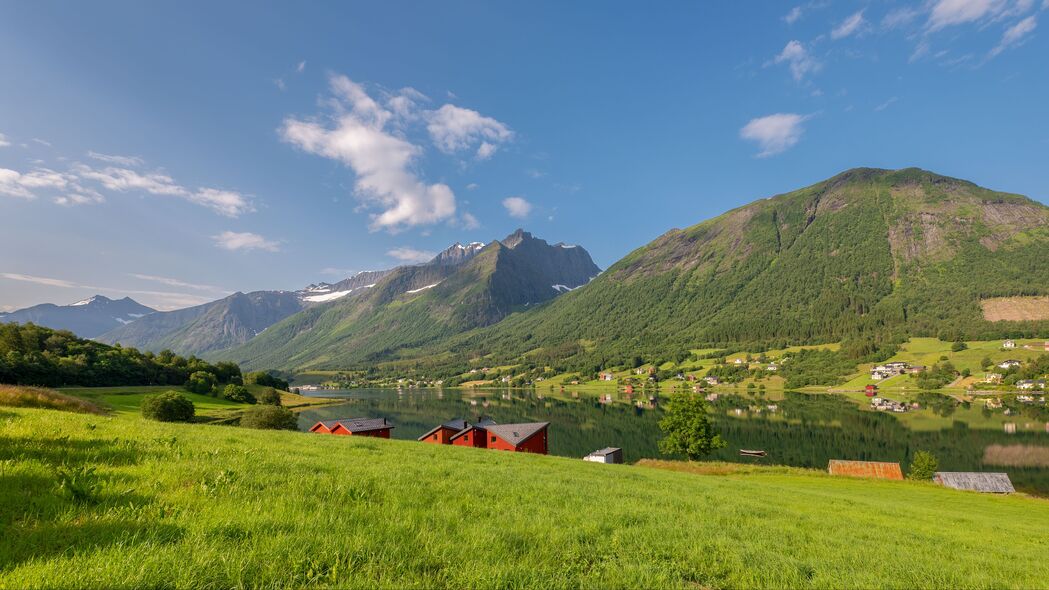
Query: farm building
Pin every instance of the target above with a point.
(872, 469)
(377, 427)
(606, 455)
(442, 434)
(519, 438)
(990, 483)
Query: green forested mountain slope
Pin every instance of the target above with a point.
(416, 305)
(864, 257)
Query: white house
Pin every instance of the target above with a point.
(1009, 344)
(1009, 364)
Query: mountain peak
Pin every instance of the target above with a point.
(513, 240)
(457, 253)
(92, 300)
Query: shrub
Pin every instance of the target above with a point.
(959, 346)
(688, 429)
(238, 393)
(269, 418)
(923, 466)
(170, 406)
(270, 397)
(201, 382)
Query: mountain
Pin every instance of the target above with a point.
(88, 318)
(866, 257)
(212, 326)
(462, 288)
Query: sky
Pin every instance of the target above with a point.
(176, 152)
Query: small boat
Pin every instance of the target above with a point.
(751, 453)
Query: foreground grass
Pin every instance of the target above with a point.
(214, 506)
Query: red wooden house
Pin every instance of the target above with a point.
(377, 427)
(473, 435)
(519, 438)
(870, 390)
(442, 434)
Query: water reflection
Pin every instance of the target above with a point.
(795, 429)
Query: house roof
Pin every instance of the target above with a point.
(995, 483)
(516, 434)
(482, 424)
(457, 424)
(361, 424)
(605, 451)
(876, 469)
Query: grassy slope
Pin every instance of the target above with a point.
(196, 505)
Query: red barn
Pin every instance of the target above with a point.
(376, 427)
(442, 434)
(519, 438)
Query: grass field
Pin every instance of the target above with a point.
(171, 505)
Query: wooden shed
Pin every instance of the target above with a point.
(872, 469)
(989, 483)
(606, 455)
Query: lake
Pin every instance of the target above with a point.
(804, 430)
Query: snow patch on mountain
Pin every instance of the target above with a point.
(87, 301)
(424, 288)
(333, 295)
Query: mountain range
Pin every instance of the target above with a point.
(867, 258)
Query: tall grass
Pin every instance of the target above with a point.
(18, 396)
(199, 506)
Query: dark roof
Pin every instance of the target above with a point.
(605, 451)
(516, 434)
(329, 424)
(458, 425)
(482, 424)
(363, 424)
(995, 483)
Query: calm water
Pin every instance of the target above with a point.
(799, 429)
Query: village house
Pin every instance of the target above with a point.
(1009, 344)
(993, 378)
(472, 435)
(375, 427)
(442, 434)
(606, 376)
(870, 390)
(1008, 364)
(712, 380)
(611, 455)
(519, 438)
(773, 367)
(888, 405)
(1030, 384)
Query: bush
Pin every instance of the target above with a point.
(269, 418)
(688, 429)
(923, 466)
(959, 346)
(170, 406)
(201, 382)
(266, 379)
(238, 393)
(270, 397)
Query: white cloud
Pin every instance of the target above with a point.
(1016, 34)
(26, 185)
(473, 185)
(885, 104)
(899, 17)
(38, 280)
(4, 142)
(798, 58)
(177, 283)
(468, 221)
(454, 129)
(947, 13)
(301, 67)
(411, 255)
(224, 202)
(849, 26)
(774, 134)
(118, 160)
(793, 16)
(382, 162)
(245, 241)
(517, 207)
(42, 142)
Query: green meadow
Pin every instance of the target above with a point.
(116, 501)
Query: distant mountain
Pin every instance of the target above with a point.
(866, 257)
(462, 288)
(88, 318)
(212, 326)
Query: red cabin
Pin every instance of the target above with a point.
(376, 427)
(442, 434)
(473, 435)
(870, 390)
(519, 438)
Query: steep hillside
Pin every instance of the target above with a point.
(864, 257)
(211, 326)
(87, 319)
(415, 305)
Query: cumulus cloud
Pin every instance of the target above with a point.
(851, 25)
(455, 129)
(382, 161)
(1016, 34)
(793, 16)
(244, 241)
(411, 255)
(799, 60)
(224, 202)
(127, 161)
(517, 207)
(774, 134)
(27, 185)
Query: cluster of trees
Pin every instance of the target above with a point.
(35, 355)
(815, 367)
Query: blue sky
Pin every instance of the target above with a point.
(179, 152)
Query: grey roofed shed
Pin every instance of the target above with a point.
(993, 483)
(606, 455)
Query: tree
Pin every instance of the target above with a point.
(959, 346)
(238, 393)
(170, 406)
(986, 362)
(269, 418)
(201, 382)
(923, 466)
(270, 397)
(688, 429)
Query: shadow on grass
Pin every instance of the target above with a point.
(49, 539)
(62, 450)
